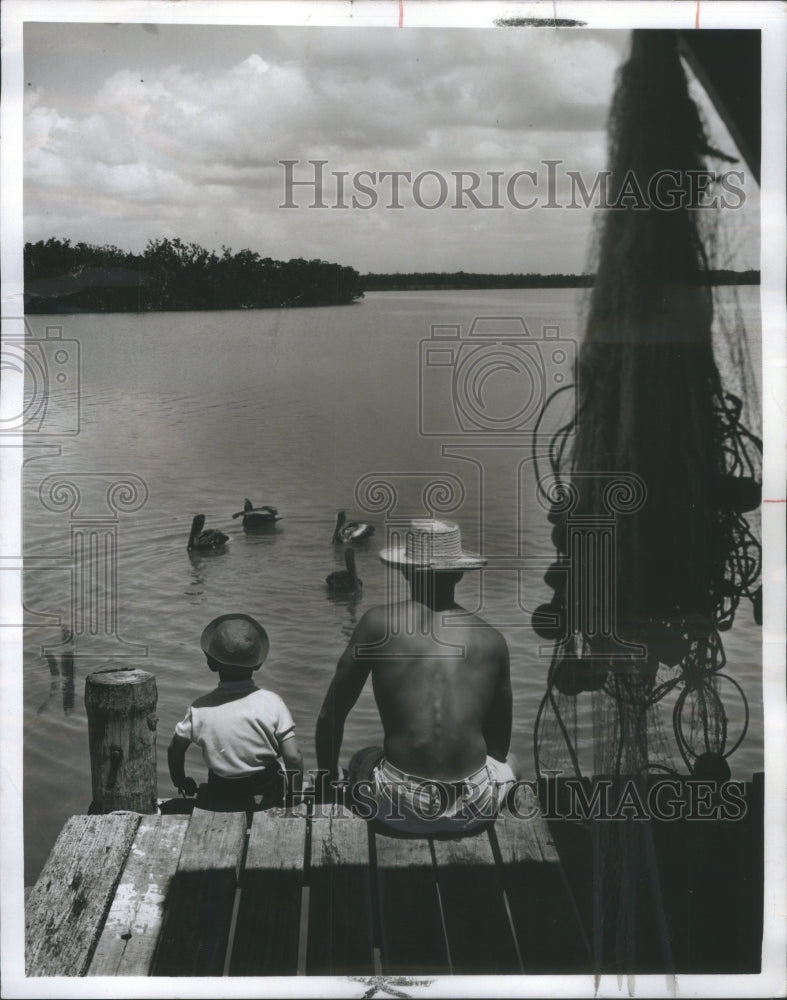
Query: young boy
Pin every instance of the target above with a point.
(242, 729)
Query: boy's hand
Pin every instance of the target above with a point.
(176, 757)
(292, 759)
(188, 787)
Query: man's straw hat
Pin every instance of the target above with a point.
(431, 544)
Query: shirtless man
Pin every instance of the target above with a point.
(440, 677)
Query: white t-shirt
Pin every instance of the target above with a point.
(239, 727)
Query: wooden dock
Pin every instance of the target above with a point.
(175, 889)
(290, 893)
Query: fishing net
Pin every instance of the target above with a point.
(652, 488)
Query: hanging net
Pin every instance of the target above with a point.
(651, 488)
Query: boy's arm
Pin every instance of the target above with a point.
(497, 727)
(293, 764)
(176, 758)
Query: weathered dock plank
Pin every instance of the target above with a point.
(268, 924)
(66, 909)
(340, 939)
(480, 937)
(525, 836)
(545, 917)
(128, 942)
(411, 923)
(201, 898)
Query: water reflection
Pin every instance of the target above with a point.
(196, 588)
(61, 673)
(266, 528)
(266, 535)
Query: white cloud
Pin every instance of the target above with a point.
(198, 147)
(191, 148)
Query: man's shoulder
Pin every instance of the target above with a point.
(459, 615)
(379, 614)
(375, 625)
(373, 622)
(486, 633)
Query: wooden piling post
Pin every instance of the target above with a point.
(121, 718)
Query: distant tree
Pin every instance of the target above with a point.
(171, 274)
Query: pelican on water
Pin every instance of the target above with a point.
(350, 531)
(257, 517)
(205, 541)
(345, 581)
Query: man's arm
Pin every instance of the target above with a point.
(176, 758)
(497, 726)
(343, 692)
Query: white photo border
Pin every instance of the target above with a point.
(412, 14)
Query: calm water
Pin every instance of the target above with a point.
(291, 408)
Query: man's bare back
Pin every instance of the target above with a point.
(440, 687)
(441, 681)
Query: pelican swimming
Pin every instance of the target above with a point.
(345, 581)
(350, 531)
(257, 517)
(205, 541)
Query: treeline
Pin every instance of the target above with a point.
(172, 275)
(462, 279)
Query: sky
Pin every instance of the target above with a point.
(136, 132)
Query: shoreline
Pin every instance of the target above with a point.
(51, 309)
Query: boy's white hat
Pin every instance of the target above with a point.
(432, 544)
